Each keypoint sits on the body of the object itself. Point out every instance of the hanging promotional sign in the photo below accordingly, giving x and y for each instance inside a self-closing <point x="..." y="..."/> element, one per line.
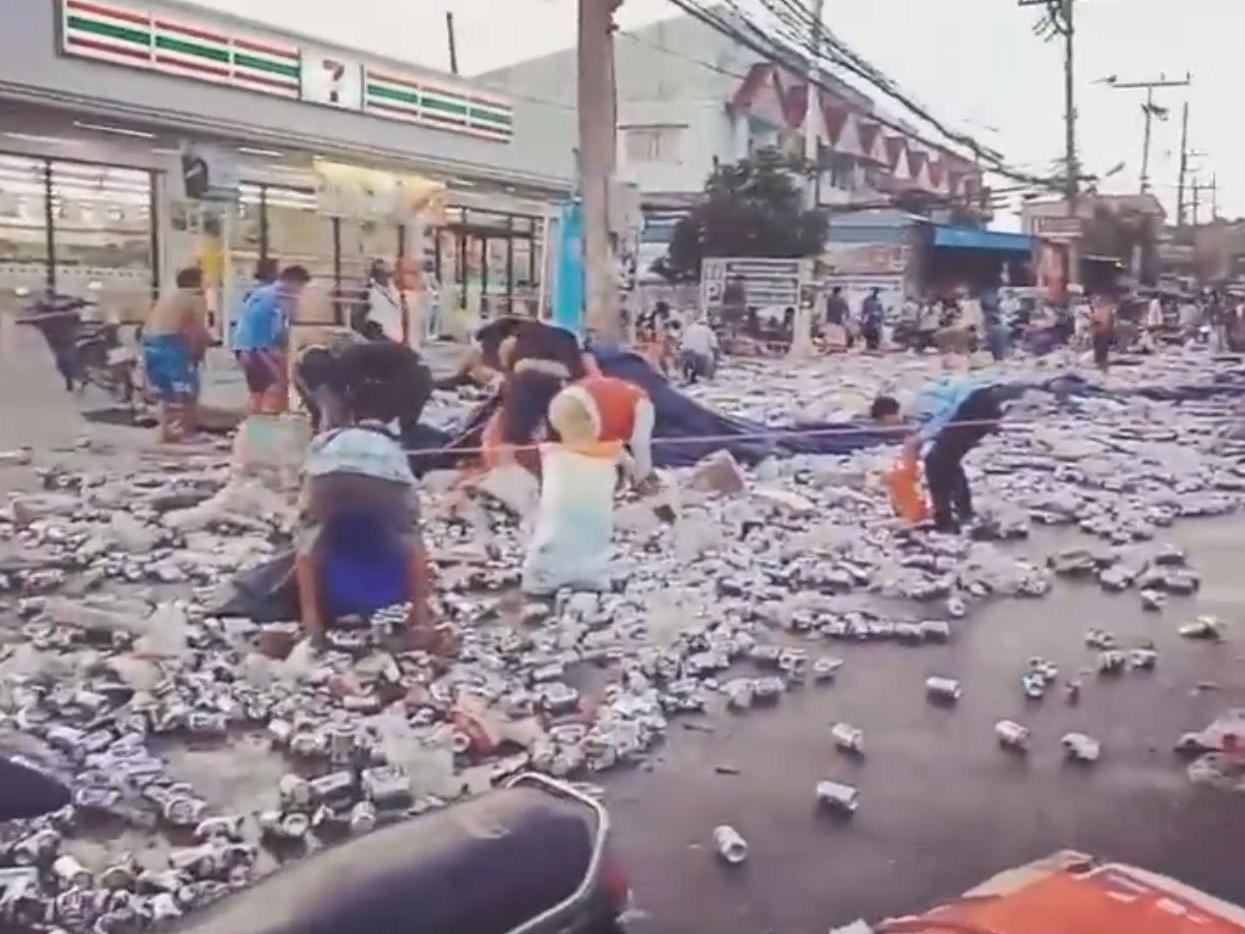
<point x="370" y="194"/>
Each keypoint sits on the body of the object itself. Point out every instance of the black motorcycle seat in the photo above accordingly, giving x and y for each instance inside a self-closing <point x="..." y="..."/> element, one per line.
<point x="482" y="867"/>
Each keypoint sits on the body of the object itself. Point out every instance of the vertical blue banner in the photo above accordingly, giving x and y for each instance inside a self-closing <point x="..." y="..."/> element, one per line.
<point x="568" y="296"/>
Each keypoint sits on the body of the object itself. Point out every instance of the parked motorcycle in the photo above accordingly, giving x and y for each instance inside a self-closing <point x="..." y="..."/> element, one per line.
<point x="530" y="858"/>
<point x="86" y="352"/>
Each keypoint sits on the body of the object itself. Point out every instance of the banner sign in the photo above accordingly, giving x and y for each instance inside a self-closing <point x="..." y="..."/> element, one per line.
<point x="137" y="37"/>
<point x="124" y="35"/>
<point x="370" y="194"/>
<point x="418" y="100"/>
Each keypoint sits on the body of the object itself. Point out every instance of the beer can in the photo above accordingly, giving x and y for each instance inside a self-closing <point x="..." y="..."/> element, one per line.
<point x="71" y="872"/>
<point x="183" y="811"/>
<point x="839" y="796"/>
<point x="1081" y="747"/>
<point x="848" y="738"/>
<point x="947" y="690"/>
<point x="767" y="689"/>
<point x="228" y="827"/>
<point x="36" y="848"/>
<point x="280" y="731"/>
<point x="335" y="785"/>
<point x="739" y="693"/>
<point x="1143" y="659"/>
<point x="935" y="630"/>
<point x="1012" y="735"/>
<point x="826" y="668"/>
<point x="732" y="848"/>
<point x="294" y="826"/>
<point x="294" y="791"/>
<point x="362" y="818"/>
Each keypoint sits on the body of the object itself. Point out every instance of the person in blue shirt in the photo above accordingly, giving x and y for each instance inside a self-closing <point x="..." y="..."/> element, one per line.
<point x="261" y="339"/>
<point x="951" y="417"/>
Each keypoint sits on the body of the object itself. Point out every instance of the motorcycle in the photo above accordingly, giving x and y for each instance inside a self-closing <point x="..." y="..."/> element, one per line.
<point x="529" y="858"/>
<point x="86" y="352"/>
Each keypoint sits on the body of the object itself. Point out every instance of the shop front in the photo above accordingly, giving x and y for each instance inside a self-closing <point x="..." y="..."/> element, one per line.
<point x="103" y="102"/>
<point x="967" y="260"/>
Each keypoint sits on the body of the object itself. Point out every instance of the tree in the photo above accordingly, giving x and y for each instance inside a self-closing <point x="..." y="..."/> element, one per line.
<point x="753" y="207"/>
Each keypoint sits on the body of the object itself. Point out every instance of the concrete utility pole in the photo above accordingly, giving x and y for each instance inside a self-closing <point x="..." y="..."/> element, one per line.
<point x="597" y="154"/>
<point x="812" y="139"/>
<point x="1060" y="20"/>
<point x="1151" y="110"/>
<point x="1184" y="164"/>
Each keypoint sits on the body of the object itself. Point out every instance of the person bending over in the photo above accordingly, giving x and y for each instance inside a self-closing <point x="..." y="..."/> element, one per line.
<point x="952" y="417"/>
<point x="359" y="547"/>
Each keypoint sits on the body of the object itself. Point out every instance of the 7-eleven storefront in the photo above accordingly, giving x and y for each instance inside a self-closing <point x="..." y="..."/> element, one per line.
<point x="101" y="101"/>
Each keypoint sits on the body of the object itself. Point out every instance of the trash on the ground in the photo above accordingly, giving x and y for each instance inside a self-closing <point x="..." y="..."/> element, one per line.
<point x="848" y="738"/>
<point x="1081" y="747"/>
<point x="838" y="796"/>
<point x="1209" y="628"/>
<point x="1012" y="735"/>
<point x="732" y="849"/>
<point x="943" y="690"/>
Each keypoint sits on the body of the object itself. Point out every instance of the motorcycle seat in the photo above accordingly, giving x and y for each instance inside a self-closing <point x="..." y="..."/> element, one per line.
<point x="482" y="867"/>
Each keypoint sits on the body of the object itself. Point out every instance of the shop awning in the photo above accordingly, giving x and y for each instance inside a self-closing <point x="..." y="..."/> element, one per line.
<point x="968" y="238"/>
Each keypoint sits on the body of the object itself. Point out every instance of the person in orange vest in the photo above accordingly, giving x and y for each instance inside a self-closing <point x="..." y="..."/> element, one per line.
<point x="620" y="411"/>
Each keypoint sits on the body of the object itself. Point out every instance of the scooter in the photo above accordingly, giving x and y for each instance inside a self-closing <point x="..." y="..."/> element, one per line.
<point x="529" y="858"/>
<point x="86" y="351"/>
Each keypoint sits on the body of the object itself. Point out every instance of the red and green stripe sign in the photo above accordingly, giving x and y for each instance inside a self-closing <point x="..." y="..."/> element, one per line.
<point x="134" y="36"/>
<point x="130" y="36"/>
<point x="417" y="100"/>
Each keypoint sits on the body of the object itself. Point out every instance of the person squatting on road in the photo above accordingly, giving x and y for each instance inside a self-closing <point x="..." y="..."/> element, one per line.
<point x="359" y="547"/>
<point x="952" y="416"/>
<point x="590" y="423"/>
<point x="261" y="340"/>
<point x="175" y="338"/>
<point x="698" y="352"/>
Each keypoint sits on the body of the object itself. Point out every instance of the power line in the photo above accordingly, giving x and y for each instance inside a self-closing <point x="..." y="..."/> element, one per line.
<point x="769" y="50"/>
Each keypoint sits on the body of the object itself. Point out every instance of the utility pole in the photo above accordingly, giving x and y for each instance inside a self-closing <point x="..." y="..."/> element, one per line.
<point x="1184" y="164"/>
<point x="1060" y="20"/>
<point x="1197" y="199"/>
<point x="449" y="31"/>
<point x="1197" y="190"/>
<point x="598" y="127"/>
<point x="1150" y="110"/>
<point x="812" y="139"/>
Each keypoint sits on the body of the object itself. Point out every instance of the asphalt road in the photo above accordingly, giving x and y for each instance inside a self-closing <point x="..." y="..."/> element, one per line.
<point x="942" y="806"/>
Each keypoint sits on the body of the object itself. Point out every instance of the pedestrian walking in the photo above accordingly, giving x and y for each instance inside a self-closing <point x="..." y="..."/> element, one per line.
<point x="698" y="352"/>
<point x="1102" y="330"/>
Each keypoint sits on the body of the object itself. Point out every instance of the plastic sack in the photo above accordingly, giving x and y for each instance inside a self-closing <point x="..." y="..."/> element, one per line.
<point x="575" y="522"/>
<point x="903" y="480"/>
<point x="271" y="448"/>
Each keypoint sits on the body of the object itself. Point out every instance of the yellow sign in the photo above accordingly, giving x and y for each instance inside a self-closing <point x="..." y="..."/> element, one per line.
<point x="371" y="194"/>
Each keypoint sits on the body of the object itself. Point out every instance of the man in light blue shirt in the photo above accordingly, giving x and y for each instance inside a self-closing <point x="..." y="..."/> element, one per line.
<point x="261" y="339"/>
<point x="951" y="417"/>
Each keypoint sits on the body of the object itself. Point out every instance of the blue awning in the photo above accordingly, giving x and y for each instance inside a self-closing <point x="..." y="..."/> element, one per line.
<point x="968" y="238"/>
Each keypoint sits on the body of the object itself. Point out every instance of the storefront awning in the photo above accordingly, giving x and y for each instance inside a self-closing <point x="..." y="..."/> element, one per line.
<point x="968" y="238"/>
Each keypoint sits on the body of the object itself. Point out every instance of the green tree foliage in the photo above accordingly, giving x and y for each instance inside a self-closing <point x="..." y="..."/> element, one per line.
<point x="753" y="207"/>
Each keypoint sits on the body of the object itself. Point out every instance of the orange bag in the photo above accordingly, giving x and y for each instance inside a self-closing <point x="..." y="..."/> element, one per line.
<point x="903" y="481"/>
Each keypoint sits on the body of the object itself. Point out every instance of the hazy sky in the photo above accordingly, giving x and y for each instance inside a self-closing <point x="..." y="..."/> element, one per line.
<point x="975" y="63"/>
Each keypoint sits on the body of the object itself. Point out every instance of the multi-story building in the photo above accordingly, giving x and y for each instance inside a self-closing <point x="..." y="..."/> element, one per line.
<point x="690" y="97"/>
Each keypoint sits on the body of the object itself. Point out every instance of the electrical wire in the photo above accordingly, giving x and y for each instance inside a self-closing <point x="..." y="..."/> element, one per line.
<point x="766" y="46"/>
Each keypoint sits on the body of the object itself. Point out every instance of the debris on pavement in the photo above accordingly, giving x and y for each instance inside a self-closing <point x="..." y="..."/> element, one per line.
<point x="731" y="847"/>
<point x="121" y="654"/>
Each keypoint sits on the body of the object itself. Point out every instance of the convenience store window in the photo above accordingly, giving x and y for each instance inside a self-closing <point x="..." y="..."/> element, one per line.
<point x="80" y="229"/>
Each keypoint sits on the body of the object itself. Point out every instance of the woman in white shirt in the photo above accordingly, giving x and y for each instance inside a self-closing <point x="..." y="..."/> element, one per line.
<point x="384" y="302"/>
